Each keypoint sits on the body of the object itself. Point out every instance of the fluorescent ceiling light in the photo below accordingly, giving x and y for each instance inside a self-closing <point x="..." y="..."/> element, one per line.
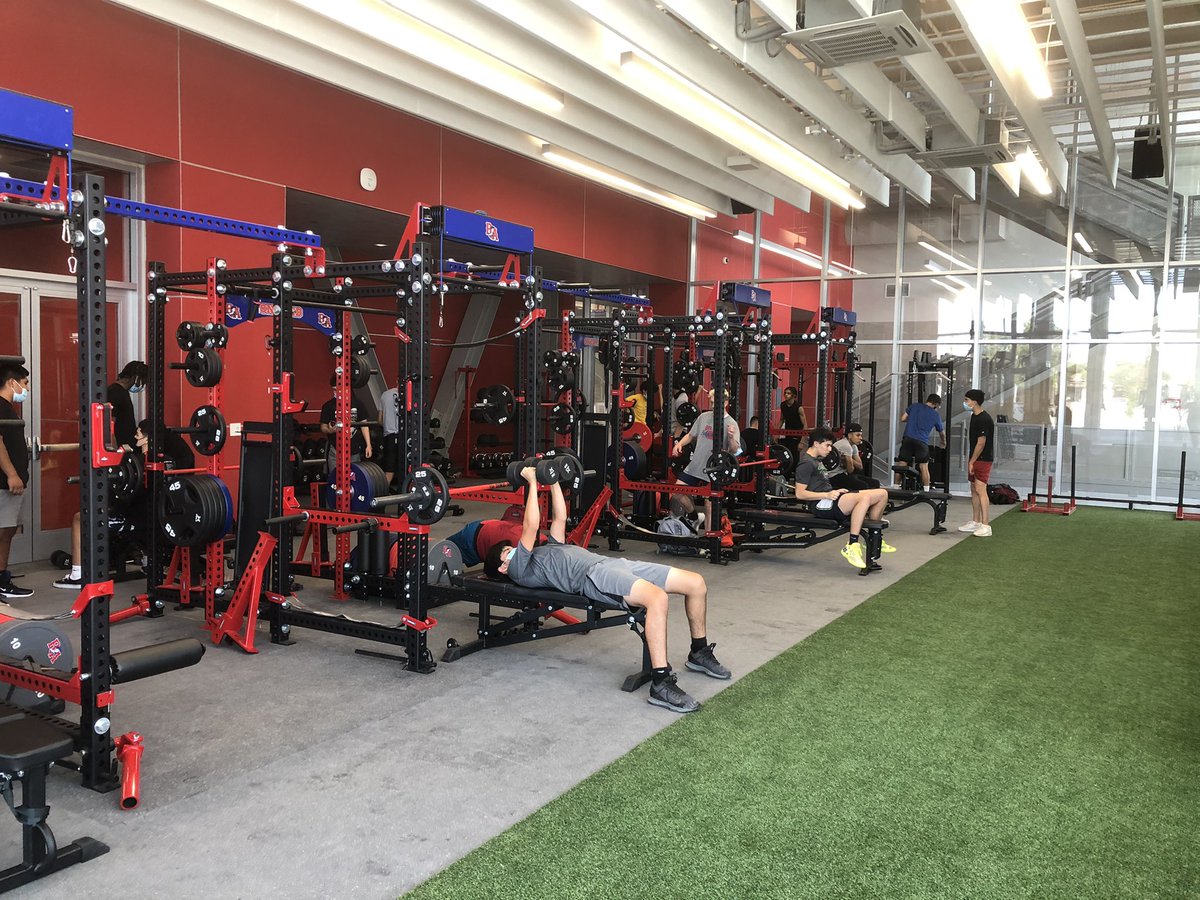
<point x="1083" y="242"/>
<point x="591" y="170"/>
<point x="1002" y="31"/>
<point x="942" y="253"/>
<point x="943" y="284"/>
<point x="804" y="256"/>
<point x="1034" y="174"/>
<point x="934" y="267"/>
<point x="408" y="34"/>
<point x="689" y="100"/>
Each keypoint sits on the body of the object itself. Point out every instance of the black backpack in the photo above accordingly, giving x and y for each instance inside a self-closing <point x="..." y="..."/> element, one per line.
<point x="1003" y="494"/>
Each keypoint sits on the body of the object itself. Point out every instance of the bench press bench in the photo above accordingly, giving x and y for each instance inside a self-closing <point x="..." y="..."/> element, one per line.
<point x="29" y="744"/>
<point x="902" y="499"/>
<point x="531" y="607"/>
<point x="799" y="529"/>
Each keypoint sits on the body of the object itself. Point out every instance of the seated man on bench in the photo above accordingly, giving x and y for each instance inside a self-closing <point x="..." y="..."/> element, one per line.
<point x="565" y="567"/>
<point x="849" y="508"/>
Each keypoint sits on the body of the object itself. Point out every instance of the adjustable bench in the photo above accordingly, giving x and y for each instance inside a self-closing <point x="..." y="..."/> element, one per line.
<point x="937" y="501"/>
<point x="29" y="744"/>
<point x="532" y="607"/>
<point x="799" y="529"/>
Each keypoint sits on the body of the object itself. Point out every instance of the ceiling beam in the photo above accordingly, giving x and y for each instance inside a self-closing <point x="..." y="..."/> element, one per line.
<point x="1158" y="49"/>
<point x="1027" y="106"/>
<point x="783" y="72"/>
<point x="873" y="88"/>
<point x="640" y="126"/>
<point x="943" y="88"/>
<point x="327" y="51"/>
<point x="1087" y="85"/>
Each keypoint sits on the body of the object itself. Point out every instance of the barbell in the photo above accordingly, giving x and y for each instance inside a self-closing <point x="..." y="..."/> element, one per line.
<point x="201" y="367"/>
<point x="207" y="430"/>
<point x="496" y="404"/>
<point x="193" y="335"/>
<point x="425" y="499"/>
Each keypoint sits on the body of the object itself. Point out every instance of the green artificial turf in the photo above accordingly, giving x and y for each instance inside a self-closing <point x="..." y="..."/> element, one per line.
<point x="1017" y="718"/>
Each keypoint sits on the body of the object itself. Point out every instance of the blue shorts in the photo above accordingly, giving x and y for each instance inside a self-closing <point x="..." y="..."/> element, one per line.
<point x="464" y="540"/>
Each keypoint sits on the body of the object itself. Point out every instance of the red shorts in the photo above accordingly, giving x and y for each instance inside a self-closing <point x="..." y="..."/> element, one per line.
<point x="981" y="471"/>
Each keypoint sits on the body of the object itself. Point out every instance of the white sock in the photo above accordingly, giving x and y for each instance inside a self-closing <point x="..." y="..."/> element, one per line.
<point x="77" y="573"/>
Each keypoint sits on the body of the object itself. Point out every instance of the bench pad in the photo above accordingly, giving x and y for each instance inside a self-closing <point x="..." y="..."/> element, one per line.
<point x="479" y="583"/>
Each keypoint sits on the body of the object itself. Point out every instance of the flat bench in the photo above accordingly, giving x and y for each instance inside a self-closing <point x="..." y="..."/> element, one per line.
<point x="798" y="529"/>
<point x="532" y="606"/>
<point x="938" y="501"/>
<point x="29" y="745"/>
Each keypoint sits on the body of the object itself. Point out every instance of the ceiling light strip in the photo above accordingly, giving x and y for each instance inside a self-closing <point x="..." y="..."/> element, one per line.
<point x="594" y="172"/>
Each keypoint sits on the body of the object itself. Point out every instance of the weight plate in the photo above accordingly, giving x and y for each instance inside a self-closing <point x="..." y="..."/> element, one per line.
<point x="433" y="495"/>
<point x="445" y="560"/>
<point x="641" y="434"/>
<point x="562" y="419"/>
<point x="633" y="459"/>
<point x="194" y="510"/>
<point x="721" y="468"/>
<point x="45" y="644"/>
<point x="203" y="368"/>
<point x="360" y="373"/>
<point x="783" y="455"/>
<point x="686" y="415"/>
<point x="210" y="430"/>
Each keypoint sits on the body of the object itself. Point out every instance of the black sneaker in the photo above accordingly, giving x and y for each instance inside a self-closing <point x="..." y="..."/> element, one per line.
<point x="668" y="694"/>
<point x="704" y="660"/>
<point x="68" y="583"/>
<point x="8" y="589"/>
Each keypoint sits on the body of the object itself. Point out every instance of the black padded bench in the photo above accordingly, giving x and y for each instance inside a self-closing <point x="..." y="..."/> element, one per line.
<point x="938" y="501"/>
<point x="532" y="606"/>
<point x="797" y="528"/>
<point x="29" y="744"/>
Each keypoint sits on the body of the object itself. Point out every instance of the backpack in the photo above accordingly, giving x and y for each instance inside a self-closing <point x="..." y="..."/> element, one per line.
<point x="680" y="528"/>
<point x="1003" y="494"/>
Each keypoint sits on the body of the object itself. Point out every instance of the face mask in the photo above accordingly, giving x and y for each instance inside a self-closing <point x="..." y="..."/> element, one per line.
<point x="20" y="396"/>
<point x="966" y="406"/>
<point x="137" y="388"/>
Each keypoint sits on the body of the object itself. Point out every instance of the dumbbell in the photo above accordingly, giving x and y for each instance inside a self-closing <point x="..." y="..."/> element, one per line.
<point x="547" y="469"/>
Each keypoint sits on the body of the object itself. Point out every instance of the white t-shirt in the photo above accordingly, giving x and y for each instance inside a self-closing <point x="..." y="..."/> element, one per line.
<point x="389" y="405"/>
<point x="843" y="448"/>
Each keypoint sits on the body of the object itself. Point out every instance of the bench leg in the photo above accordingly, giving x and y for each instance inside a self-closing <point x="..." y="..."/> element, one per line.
<point x="636" y="680"/>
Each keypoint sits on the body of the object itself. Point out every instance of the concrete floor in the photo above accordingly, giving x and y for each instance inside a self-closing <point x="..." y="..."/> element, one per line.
<point x="310" y="772"/>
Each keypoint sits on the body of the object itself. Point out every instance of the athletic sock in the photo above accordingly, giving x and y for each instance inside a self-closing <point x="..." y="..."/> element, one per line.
<point x="76" y="573"/>
<point x="660" y="675"/>
<point x="854" y="538"/>
<point x="699" y="643"/>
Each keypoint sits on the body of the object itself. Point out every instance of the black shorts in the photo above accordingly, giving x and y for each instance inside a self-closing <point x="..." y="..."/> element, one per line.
<point x="913" y="451"/>
<point x="390" y="455"/>
<point x="828" y="509"/>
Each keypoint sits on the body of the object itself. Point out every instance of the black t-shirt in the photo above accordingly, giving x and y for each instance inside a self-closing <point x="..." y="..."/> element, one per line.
<point x="789" y="416"/>
<point x="751" y="442"/>
<point x="328" y="414"/>
<point x="14" y="443"/>
<point x="124" y="420"/>
<point x="178" y="451"/>
<point x="981" y="426"/>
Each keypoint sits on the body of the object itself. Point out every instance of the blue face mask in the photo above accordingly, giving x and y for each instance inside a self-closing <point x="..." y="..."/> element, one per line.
<point x="20" y="396"/>
<point x="137" y="388"/>
<point x="966" y="406"/>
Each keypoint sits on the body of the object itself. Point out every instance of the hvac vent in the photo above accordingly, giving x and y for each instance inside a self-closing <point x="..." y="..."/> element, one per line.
<point x="885" y="36"/>
<point x="948" y="151"/>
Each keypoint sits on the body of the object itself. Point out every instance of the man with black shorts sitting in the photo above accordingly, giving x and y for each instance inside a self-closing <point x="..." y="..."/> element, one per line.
<point x="838" y="504"/>
<point x="565" y="567"/>
<point x="920" y="421"/>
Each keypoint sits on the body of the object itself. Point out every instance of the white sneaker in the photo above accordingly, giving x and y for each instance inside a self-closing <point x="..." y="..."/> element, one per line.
<point x="983" y="531"/>
<point x="970" y="526"/>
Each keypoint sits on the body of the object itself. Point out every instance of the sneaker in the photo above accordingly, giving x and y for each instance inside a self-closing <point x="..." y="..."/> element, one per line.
<point x="704" y="660"/>
<point x="669" y="695"/>
<point x="8" y="589"/>
<point x="885" y="547"/>
<point x="68" y="583"/>
<point x="983" y="531"/>
<point x="854" y="555"/>
<point x="969" y="527"/>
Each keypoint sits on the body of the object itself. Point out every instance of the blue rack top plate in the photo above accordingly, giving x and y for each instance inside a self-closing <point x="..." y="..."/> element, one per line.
<point x="745" y="294"/>
<point x="485" y="231"/>
<point x="36" y="123"/>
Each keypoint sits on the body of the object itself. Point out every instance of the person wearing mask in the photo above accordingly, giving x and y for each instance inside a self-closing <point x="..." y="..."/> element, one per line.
<point x="130" y="380"/>
<point x="792" y="418"/>
<point x="14" y="469"/>
<point x="981" y="434"/>
<point x="920" y="420"/>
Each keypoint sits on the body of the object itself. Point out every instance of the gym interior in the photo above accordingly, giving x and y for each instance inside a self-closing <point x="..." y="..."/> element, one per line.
<point x="366" y="527"/>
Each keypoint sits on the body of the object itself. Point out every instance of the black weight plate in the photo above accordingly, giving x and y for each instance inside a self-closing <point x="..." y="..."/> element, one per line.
<point x="46" y="645"/>
<point x="633" y="459"/>
<point x="194" y="510"/>
<point x="562" y="419"/>
<point x="686" y="415"/>
<point x="189" y="335"/>
<point x="203" y="368"/>
<point x="501" y="404"/>
<point x="783" y="455"/>
<point x="721" y="468"/>
<point x="360" y="373"/>
<point x="211" y="430"/>
<point x="433" y="499"/>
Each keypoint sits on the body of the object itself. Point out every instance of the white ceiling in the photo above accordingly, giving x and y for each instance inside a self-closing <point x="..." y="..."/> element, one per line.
<point x="1111" y="63"/>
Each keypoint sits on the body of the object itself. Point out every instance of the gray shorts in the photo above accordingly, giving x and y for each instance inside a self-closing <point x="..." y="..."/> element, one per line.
<point x="612" y="580"/>
<point x="10" y="509"/>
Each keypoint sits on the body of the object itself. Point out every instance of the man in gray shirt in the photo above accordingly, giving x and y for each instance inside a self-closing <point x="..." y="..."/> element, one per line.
<point x="702" y="434"/>
<point x="560" y="566"/>
<point x="849" y="508"/>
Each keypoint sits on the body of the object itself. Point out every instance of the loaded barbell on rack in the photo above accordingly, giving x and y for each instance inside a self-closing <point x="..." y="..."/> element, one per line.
<point x="193" y="335"/>
<point x="207" y="430"/>
<point x="425" y="499"/>
<point x="201" y="367"/>
<point x="194" y="509"/>
<point x="687" y="414"/>
<point x="494" y="405"/>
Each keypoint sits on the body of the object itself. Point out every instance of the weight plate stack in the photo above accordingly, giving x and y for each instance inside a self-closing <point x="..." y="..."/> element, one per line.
<point x="633" y="459"/>
<point x="195" y="510"/>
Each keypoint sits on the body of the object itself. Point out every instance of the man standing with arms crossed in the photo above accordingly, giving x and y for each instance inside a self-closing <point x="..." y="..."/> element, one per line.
<point x="980" y="435"/>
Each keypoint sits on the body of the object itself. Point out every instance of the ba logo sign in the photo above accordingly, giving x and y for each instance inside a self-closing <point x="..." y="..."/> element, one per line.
<point x="297" y="312"/>
<point x="54" y="650"/>
<point x="324" y="320"/>
<point x="233" y="311"/>
<point x="265" y="309"/>
<point x="492" y="233"/>
<point x="753" y="295"/>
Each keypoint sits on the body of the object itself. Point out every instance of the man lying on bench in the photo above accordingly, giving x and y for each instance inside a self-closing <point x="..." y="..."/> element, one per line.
<point x="850" y="508"/>
<point x="565" y="567"/>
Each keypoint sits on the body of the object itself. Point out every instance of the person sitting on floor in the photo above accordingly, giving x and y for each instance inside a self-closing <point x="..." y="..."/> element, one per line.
<point x="851" y="476"/>
<point x="843" y="506"/>
<point x="564" y="567"/>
